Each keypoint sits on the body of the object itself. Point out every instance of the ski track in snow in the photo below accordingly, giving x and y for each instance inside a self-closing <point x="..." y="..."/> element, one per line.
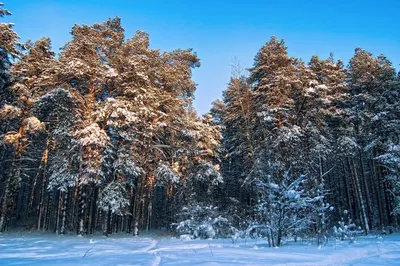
<point x="152" y="245"/>
<point x="156" y="261"/>
<point x="46" y="249"/>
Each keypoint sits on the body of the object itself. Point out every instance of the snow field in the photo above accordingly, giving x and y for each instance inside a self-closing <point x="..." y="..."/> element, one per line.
<point x="36" y="249"/>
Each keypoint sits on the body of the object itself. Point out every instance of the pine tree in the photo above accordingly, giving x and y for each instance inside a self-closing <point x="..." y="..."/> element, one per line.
<point x="328" y="93"/>
<point x="286" y="208"/>
<point x="278" y="87"/>
<point x="238" y="143"/>
<point x="369" y="79"/>
<point x="29" y="75"/>
<point x="10" y="49"/>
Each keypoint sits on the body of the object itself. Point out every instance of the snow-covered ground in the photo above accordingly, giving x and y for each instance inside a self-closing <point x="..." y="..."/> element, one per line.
<point x="36" y="249"/>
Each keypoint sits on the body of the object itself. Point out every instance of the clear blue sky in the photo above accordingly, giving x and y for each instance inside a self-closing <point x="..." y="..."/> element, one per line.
<point x="221" y="30"/>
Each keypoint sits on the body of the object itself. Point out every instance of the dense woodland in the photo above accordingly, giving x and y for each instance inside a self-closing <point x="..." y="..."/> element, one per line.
<point x="102" y="136"/>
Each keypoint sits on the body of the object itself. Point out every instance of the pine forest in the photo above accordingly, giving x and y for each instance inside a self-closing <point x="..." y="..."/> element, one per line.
<point x="102" y="137"/>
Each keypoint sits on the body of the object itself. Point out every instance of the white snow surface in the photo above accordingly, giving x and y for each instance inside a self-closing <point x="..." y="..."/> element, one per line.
<point x="46" y="249"/>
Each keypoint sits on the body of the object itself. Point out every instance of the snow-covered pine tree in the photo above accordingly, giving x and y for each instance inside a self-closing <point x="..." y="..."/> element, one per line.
<point x="285" y="209"/>
<point x="369" y="85"/>
<point x="84" y="67"/>
<point x="9" y="115"/>
<point x="329" y="91"/>
<point x="10" y="49"/>
<point x="146" y="113"/>
<point x="28" y="137"/>
<point x="113" y="200"/>
<point x="386" y="124"/>
<point x="391" y="161"/>
<point x="285" y="119"/>
<point x="238" y="141"/>
<point x="32" y="78"/>
<point x="205" y="222"/>
<point x="60" y="110"/>
<point x="275" y="89"/>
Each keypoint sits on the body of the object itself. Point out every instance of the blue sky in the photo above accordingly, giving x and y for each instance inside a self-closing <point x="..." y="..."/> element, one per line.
<point x="221" y="30"/>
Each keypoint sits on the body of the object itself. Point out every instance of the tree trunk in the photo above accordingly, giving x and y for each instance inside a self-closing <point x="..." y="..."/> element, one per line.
<point x="106" y="226"/>
<point x="58" y="212"/>
<point x="64" y="212"/>
<point x="42" y="196"/>
<point x="136" y="214"/>
<point x="82" y="212"/>
<point x="10" y="193"/>
<point x="361" y="200"/>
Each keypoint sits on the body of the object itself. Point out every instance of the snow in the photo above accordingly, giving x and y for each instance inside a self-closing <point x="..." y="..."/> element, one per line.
<point x="33" y="125"/>
<point x="9" y="112"/>
<point x="321" y="87"/>
<point x="46" y="249"/>
<point x="92" y="135"/>
<point x="166" y="175"/>
<point x="394" y="148"/>
<point x="310" y="90"/>
<point x="113" y="198"/>
<point x="111" y="73"/>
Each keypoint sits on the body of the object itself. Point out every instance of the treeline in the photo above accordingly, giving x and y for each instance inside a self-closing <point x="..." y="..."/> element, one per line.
<point x="103" y="136"/>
